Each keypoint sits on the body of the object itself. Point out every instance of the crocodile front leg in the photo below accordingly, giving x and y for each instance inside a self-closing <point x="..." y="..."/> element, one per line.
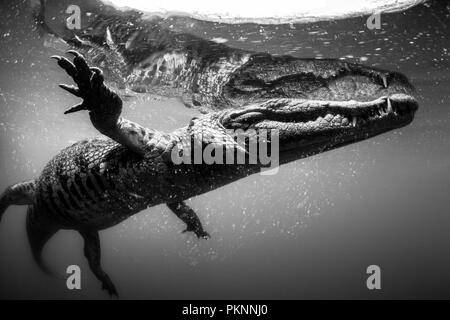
<point x="104" y="105"/>
<point x="188" y="216"/>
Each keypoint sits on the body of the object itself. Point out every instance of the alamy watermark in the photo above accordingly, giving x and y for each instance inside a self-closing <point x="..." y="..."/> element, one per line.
<point x="73" y="281"/>
<point x="374" y="21"/>
<point x="233" y="147"/>
<point x="74" y="20"/>
<point x="374" y="280"/>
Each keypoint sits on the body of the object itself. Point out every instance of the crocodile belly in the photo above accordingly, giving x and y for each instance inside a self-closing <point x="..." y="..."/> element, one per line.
<point x="91" y="183"/>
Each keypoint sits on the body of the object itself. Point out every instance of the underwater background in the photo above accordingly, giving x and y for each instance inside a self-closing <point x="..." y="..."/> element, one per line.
<point x="309" y="231"/>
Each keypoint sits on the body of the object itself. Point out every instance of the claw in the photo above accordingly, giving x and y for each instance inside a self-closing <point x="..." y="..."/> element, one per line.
<point x="73" y="52"/>
<point x="111" y="289"/>
<point x="83" y="72"/>
<point x="66" y="65"/>
<point x="71" y="89"/>
<point x="199" y="234"/>
<point x="78" y="107"/>
<point x="97" y="71"/>
<point x="97" y="77"/>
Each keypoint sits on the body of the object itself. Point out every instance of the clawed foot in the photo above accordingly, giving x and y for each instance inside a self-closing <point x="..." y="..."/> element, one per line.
<point x="104" y="105"/>
<point x="200" y="233"/>
<point x="109" y="287"/>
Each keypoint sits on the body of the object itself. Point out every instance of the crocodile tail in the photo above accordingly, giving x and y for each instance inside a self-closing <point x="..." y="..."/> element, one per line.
<point x="18" y="194"/>
<point x="40" y="228"/>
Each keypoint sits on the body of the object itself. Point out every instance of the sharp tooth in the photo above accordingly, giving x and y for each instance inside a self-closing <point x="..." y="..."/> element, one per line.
<point x="385" y="84"/>
<point x="354" y="121"/>
<point x="389" y="106"/>
<point x="109" y="39"/>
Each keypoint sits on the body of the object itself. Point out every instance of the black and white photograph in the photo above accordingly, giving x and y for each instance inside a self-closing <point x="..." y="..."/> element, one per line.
<point x="224" y="151"/>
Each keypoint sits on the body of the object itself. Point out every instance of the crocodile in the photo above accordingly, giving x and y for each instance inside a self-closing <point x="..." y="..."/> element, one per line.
<point x="97" y="183"/>
<point x="142" y="54"/>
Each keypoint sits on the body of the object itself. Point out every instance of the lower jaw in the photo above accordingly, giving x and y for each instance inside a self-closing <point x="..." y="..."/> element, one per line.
<point x="327" y="140"/>
<point x="386" y="125"/>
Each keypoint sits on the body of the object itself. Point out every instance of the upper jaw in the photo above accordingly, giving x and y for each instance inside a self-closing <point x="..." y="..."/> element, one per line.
<point x="266" y="77"/>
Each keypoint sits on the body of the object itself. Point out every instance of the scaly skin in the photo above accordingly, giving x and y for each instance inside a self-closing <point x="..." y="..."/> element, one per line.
<point x="142" y="54"/>
<point x="97" y="183"/>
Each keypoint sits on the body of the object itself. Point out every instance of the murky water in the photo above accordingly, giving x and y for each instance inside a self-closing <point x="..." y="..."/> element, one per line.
<point x="310" y="231"/>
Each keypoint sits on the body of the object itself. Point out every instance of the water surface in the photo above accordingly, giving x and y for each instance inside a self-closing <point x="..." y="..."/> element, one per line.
<point x="308" y="232"/>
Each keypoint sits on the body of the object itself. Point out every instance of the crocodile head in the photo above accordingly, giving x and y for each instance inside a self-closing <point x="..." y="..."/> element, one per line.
<point x="144" y="55"/>
<point x="326" y="108"/>
<point x="266" y="77"/>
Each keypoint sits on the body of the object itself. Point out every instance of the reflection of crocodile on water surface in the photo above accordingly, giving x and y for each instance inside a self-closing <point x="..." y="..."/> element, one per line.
<point x="142" y="54"/>
<point x="315" y="105"/>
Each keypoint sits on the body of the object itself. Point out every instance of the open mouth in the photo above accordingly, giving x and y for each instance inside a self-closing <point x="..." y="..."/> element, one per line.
<point x="387" y="112"/>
